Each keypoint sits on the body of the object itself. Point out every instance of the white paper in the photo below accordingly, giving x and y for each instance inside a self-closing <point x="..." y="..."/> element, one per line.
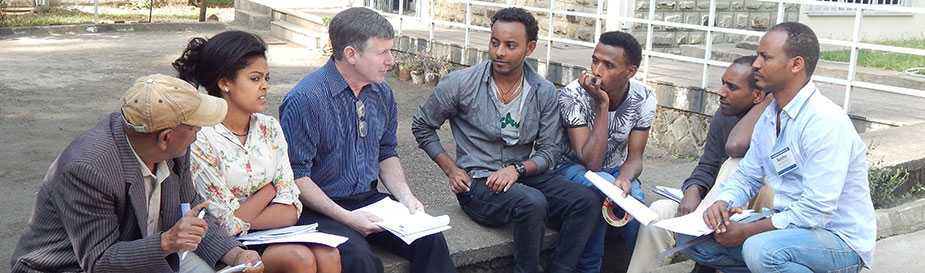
<point x="409" y="227"/>
<point x="674" y="194"/>
<point x="293" y="234"/>
<point x="278" y="232"/>
<point x="691" y="224"/>
<point x="629" y="204"/>
<point x="310" y="237"/>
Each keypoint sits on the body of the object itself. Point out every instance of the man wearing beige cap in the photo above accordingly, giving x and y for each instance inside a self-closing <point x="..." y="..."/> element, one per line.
<point x="111" y="200"/>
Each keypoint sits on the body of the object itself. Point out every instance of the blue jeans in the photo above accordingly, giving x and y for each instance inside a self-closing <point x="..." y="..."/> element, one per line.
<point x="591" y="256"/>
<point x="783" y="250"/>
<point x="527" y="205"/>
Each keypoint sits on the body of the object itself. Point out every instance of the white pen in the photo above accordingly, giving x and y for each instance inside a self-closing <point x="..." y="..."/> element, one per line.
<point x="240" y="267"/>
<point x="202" y="214"/>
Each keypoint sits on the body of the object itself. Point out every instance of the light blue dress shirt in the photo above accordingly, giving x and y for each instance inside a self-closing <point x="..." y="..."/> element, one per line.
<point x="828" y="187"/>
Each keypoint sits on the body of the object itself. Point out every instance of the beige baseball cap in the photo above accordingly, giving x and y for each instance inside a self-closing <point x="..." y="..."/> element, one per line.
<point x="157" y="102"/>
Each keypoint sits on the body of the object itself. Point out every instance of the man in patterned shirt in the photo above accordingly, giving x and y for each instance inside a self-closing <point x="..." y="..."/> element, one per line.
<point x="625" y="108"/>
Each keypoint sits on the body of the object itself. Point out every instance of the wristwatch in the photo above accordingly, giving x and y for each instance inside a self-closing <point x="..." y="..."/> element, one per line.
<point x="521" y="169"/>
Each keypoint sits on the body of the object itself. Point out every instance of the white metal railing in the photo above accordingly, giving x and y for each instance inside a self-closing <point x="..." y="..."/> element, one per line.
<point x="626" y="16"/>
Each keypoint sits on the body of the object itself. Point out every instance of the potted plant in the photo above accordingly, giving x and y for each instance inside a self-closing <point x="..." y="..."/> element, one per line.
<point x="420" y="65"/>
<point x="405" y="66"/>
<point x="439" y="67"/>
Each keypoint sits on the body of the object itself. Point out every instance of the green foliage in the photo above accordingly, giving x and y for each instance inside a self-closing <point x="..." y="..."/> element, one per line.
<point x="882" y="59"/>
<point x="220" y="3"/>
<point x="884" y="184"/>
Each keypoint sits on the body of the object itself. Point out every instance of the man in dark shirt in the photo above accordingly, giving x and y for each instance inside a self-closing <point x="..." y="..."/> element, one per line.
<point x="741" y="103"/>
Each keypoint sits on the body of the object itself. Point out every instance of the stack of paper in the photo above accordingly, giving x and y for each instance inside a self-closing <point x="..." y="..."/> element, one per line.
<point x="409" y="227"/>
<point x="293" y="234"/>
<point x="629" y="204"/>
<point x="673" y="194"/>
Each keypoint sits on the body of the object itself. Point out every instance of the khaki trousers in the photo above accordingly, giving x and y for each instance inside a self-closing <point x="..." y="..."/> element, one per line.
<point x="652" y="240"/>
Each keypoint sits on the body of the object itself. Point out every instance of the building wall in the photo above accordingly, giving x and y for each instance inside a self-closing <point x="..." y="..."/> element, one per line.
<point x="874" y="26"/>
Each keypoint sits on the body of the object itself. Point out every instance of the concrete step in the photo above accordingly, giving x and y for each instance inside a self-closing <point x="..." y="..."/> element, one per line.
<point x="252" y="19"/>
<point x="18" y="10"/>
<point x="310" y="21"/>
<point x="312" y="40"/>
<point x="720" y="52"/>
<point x="254" y="6"/>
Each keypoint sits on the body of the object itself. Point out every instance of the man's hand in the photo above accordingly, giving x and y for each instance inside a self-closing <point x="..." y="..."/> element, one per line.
<point x="592" y="85"/>
<point x="717" y="216"/>
<point x="186" y="234"/>
<point x="412" y="204"/>
<point x="458" y="179"/>
<point x="690" y="201"/>
<point x="733" y="235"/>
<point x="249" y="257"/>
<point x="502" y="180"/>
<point x="624" y="185"/>
<point x="364" y="222"/>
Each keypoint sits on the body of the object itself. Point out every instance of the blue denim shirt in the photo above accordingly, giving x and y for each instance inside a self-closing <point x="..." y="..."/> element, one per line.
<point x="828" y="189"/>
<point x="320" y="122"/>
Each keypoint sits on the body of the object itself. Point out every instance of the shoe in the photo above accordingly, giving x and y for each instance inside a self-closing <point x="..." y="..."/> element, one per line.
<point x="699" y="268"/>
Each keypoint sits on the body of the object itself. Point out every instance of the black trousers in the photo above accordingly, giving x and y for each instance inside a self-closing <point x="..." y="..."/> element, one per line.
<point x="428" y="254"/>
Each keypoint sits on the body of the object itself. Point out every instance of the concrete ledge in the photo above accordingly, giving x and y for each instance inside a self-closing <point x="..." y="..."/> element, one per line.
<point x="902" y="219"/>
<point x="104" y="28"/>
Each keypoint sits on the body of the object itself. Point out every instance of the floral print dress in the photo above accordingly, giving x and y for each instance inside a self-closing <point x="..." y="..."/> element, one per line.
<point x="226" y="172"/>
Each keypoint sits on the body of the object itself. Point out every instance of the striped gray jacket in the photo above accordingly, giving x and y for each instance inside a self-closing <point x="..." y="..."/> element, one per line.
<point x="90" y="213"/>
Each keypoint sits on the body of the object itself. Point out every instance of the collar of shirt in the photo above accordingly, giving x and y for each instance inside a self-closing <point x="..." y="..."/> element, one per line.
<point x="163" y="171"/>
<point x="793" y="108"/>
<point x="336" y="80"/>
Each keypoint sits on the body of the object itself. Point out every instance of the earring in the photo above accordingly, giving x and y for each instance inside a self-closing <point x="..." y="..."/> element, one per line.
<point x="226" y="89"/>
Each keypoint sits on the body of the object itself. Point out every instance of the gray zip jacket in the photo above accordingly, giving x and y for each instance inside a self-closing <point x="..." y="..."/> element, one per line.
<point x="465" y="98"/>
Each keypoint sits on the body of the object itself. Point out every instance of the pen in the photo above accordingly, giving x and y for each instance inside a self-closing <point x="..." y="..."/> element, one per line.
<point x="240" y="267"/>
<point x="202" y="214"/>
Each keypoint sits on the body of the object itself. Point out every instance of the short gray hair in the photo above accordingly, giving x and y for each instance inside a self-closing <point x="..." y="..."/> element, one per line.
<point x="354" y="26"/>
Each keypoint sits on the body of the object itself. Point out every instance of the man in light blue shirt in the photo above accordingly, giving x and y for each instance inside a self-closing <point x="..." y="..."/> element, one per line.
<point x="807" y="148"/>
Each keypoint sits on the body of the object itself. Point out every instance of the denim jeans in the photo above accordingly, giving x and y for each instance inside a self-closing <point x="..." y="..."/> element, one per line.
<point x="527" y="204"/>
<point x="783" y="250"/>
<point x="594" y="251"/>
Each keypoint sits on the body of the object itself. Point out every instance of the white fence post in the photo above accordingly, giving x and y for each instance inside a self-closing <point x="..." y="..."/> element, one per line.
<point x="648" y="58"/>
<point x="465" y="53"/>
<point x="550" y="33"/>
<point x="597" y="21"/>
<point x="615" y="14"/>
<point x="708" y="49"/>
<point x="429" y="17"/>
<point x="853" y="62"/>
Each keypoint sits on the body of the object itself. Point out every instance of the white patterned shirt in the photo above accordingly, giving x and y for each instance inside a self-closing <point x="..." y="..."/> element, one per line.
<point x="578" y="108"/>
<point x="226" y="173"/>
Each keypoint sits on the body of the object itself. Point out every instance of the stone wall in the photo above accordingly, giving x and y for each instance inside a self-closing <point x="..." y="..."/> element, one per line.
<point x="740" y="14"/>
<point x="679" y="132"/>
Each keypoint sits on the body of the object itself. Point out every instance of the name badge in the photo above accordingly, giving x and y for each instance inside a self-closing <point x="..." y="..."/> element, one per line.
<point x="783" y="161"/>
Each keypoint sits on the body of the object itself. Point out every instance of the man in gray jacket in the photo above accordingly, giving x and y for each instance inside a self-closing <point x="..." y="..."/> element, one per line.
<point x="111" y="200"/>
<point x="505" y="121"/>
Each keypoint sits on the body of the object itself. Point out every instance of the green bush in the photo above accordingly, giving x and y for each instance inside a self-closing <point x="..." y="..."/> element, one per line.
<point x="884" y="183"/>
